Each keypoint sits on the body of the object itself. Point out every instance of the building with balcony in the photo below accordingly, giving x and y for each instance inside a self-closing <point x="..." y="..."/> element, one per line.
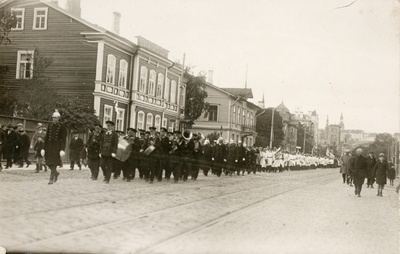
<point x="132" y="83"/>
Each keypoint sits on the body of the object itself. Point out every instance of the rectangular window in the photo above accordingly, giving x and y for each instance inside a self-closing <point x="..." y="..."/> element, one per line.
<point x="120" y="119"/>
<point x="166" y="90"/>
<point x="108" y="113"/>
<point x="238" y="116"/>
<point x="110" y="69"/>
<point x="173" y="91"/>
<point x="40" y="18"/>
<point x="244" y="118"/>
<point x="149" y="121"/>
<point x="24" y="64"/>
<point x="152" y="83"/>
<point x="143" y="79"/>
<point x="212" y="113"/>
<point x="164" y="122"/>
<point x="140" y="121"/>
<point x="160" y="82"/>
<point x="171" y="127"/>
<point x="20" y="15"/>
<point x="123" y="70"/>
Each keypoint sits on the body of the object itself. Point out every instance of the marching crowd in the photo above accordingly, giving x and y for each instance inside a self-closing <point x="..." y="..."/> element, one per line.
<point x="355" y="169"/>
<point x="154" y="155"/>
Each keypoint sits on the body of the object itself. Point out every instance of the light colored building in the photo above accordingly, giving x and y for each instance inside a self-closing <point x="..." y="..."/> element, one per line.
<point x="230" y="115"/>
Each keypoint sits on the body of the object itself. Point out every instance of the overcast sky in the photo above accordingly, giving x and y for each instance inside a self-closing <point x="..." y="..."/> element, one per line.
<point x="310" y="54"/>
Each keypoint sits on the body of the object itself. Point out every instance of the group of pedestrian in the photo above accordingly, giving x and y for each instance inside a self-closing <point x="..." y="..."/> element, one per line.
<point x="355" y="169"/>
<point x="14" y="146"/>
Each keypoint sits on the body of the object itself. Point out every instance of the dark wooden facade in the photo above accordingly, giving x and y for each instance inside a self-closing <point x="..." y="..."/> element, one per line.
<point x="80" y="53"/>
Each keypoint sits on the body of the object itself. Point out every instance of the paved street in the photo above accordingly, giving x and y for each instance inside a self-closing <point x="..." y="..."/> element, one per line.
<point x="291" y="212"/>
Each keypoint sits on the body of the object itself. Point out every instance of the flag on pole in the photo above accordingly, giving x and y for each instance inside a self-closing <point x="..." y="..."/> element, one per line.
<point x="116" y="106"/>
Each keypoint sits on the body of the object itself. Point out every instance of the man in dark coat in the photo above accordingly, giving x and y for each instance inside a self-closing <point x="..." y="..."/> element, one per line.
<point x="75" y="148"/>
<point x="10" y="145"/>
<point x="54" y="145"/>
<point x="371" y="161"/>
<point x="164" y="147"/>
<point x="24" y="144"/>
<point x="219" y="156"/>
<point x="2" y="142"/>
<point x="240" y="154"/>
<point x="108" y="151"/>
<point x="93" y="151"/>
<point x="185" y="152"/>
<point x="358" y="167"/>
<point x="197" y="152"/>
<point x="131" y="163"/>
<point x="207" y="153"/>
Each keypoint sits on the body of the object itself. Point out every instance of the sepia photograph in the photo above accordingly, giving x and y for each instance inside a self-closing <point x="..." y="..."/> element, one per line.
<point x="199" y="126"/>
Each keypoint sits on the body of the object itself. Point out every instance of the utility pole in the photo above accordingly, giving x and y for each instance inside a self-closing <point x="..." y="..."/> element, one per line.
<point x="272" y="129"/>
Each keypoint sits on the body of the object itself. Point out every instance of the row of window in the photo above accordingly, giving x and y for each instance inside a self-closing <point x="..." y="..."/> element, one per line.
<point x="123" y="71"/>
<point x="108" y="116"/>
<point x="39" y="18"/>
<point x="240" y="116"/>
<point x="144" y="122"/>
<point x="248" y="140"/>
<point x="152" y="84"/>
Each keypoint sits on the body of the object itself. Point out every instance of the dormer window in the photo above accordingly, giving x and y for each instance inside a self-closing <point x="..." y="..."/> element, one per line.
<point x="40" y="18"/>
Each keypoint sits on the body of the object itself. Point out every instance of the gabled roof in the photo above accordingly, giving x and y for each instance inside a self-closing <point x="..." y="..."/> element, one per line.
<point x="282" y="107"/>
<point x="242" y="92"/>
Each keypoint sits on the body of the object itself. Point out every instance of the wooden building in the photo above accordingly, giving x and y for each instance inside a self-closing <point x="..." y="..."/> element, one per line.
<point x="132" y="83"/>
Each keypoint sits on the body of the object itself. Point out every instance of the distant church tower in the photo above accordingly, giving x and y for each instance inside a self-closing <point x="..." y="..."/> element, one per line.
<point x="341" y="124"/>
<point x="261" y="103"/>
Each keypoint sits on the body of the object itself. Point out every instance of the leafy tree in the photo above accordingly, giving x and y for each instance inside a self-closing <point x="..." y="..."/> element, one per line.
<point x="309" y="137"/>
<point x="213" y="136"/>
<point x="196" y="94"/>
<point x="8" y="20"/>
<point x="263" y="128"/>
<point x="383" y="142"/>
<point x="76" y="114"/>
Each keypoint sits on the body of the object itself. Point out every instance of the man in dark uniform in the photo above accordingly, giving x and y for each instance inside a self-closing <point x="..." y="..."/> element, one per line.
<point x="93" y="151"/>
<point x="54" y="146"/>
<point x="163" y="147"/>
<point x="75" y="148"/>
<point x="24" y="144"/>
<point x="231" y="159"/>
<point x="131" y="163"/>
<point x="358" y="167"/>
<point x="371" y="161"/>
<point x="219" y="156"/>
<point x="240" y="154"/>
<point x="206" y="157"/>
<point x="141" y="157"/>
<point x="197" y="152"/>
<point x="108" y="151"/>
<point x="153" y="160"/>
<point x="185" y="151"/>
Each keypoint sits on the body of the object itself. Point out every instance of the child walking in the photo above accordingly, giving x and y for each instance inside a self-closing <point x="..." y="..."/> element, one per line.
<point x="381" y="172"/>
<point x="39" y="146"/>
<point x="392" y="173"/>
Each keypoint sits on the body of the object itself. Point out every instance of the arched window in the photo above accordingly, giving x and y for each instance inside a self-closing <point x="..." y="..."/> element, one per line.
<point x="160" y="82"/>
<point x="166" y="89"/>
<point x="110" y="77"/>
<point x="143" y="79"/>
<point x="173" y="91"/>
<point x="140" y="120"/>
<point x="152" y="82"/>
<point x="149" y="121"/>
<point x="157" y="122"/>
<point x="123" y="72"/>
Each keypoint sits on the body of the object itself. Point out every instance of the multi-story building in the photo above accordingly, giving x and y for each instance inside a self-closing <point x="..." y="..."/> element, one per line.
<point x="290" y="128"/>
<point x="230" y="115"/>
<point x="131" y="83"/>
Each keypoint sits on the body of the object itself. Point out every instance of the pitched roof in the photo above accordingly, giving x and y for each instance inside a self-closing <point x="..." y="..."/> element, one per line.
<point x="242" y="92"/>
<point x="282" y="107"/>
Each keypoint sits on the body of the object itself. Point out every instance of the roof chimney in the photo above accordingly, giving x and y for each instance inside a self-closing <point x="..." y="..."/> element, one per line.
<point x="74" y="7"/>
<point x="116" y="22"/>
<point x="210" y="76"/>
<point x="55" y="2"/>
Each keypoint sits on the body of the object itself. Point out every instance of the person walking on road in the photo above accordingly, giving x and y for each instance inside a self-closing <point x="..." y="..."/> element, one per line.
<point x="381" y="171"/>
<point x="24" y="148"/>
<point x="108" y="151"/>
<point x="40" y="132"/>
<point x="54" y="146"/>
<point x="93" y="151"/>
<point x="76" y="147"/>
<point x="371" y="161"/>
<point x="358" y="167"/>
<point x="391" y="173"/>
<point x="39" y="146"/>
<point x="345" y="165"/>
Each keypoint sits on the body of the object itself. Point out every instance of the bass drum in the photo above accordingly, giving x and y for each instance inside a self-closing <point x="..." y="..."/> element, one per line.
<point x="124" y="150"/>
